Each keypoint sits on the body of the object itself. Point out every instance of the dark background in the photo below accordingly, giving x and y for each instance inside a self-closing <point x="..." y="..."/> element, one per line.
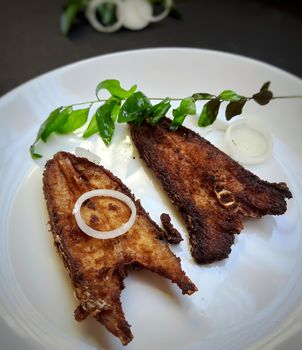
<point x="31" y="41"/>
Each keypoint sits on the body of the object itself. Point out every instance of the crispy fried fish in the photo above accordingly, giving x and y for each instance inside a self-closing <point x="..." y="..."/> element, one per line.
<point x="98" y="267"/>
<point x="213" y="192"/>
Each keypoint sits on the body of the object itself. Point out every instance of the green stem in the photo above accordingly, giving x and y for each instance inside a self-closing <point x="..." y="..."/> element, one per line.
<point x="88" y="102"/>
<point x="170" y="98"/>
<point x="179" y="99"/>
<point x="279" y="97"/>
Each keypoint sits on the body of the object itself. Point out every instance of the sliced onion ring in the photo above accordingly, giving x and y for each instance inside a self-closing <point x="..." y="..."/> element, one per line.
<point x="164" y="13"/>
<point x="85" y="153"/>
<point x="104" y="234"/>
<point x="136" y="14"/>
<point x="96" y="24"/>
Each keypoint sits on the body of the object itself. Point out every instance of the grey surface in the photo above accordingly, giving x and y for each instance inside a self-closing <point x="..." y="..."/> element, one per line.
<point x="31" y="42"/>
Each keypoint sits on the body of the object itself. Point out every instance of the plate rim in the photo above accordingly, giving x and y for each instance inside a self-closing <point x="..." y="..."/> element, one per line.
<point x="153" y="49"/>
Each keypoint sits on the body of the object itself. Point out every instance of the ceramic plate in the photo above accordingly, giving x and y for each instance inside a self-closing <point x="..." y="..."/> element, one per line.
<point x="251" y="300"/>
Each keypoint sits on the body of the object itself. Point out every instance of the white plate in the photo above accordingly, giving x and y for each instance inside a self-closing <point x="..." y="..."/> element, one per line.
<point x="252" y="299"/>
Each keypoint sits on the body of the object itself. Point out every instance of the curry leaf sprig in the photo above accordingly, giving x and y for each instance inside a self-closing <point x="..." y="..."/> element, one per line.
<point x="131" y="106"/>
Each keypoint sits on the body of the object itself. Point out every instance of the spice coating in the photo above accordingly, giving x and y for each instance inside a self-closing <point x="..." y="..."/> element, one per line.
<point x="98" y="267"/>
<point x="212" y="192"/>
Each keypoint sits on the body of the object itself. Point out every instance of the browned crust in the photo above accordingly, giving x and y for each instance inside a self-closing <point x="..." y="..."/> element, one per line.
<point x="98" y="267"/>
<point x="171" y="235"/>
<point x="212" y="191"/>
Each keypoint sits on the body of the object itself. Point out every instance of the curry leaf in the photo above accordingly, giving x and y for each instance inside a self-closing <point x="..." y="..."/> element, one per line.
<point x="234" y="108"/>
<point x="187" y="107"/>
<point x="135" y="108"/>
<point x="115" y="111"/>
<point x="229" y="95"/>
<point x="178" y="119"/>
<point x="265" y="86"/>
<point x="209" y="112"/>
<point x="108" y="13"/>
<point x="114" y="88"/>
<point x="52" y="123"/>
<point x="34" y="154"/>
<point x="68" y="16"/>
<point x="92" y="128"/>
<point x="104" y="121"/>
<point x="74" y="120"/>
<point x="199" y="96"/>
<point x="55" y="119"/>
<point x="159" y="111"/>
<point x="175" y="13"/>
<point x="264" y="96"/>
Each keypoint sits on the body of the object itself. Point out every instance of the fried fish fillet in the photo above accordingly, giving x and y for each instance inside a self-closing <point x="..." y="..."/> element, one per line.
<point x="213" y="192"/>
<point x="98" y="267"/>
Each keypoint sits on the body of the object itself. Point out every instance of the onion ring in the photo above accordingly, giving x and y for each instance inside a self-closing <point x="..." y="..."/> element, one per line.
<point x="104" y="234"/>
<point x="85" y="153"/>
<point x="162" y="15"/>
<point x="92" y="17"/>
<point x="128" y="14"/>
<point x="248" y="142"/>
<point x="136" y="14"/>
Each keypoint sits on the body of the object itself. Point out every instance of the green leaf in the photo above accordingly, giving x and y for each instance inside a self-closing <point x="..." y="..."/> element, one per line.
<point x="104" y="120"/>
<point x="235" y="108"/>
<point x="69" y="15"/>
<point x="50" y="125"/>
<point x="114" y="88"/>
<point x="74" y="121"/>
<point x="92" y="128"/>
<point x="229" y="95"/>
<point x="209" y="112"/>
<point x="107" y="13"/>
<point x="175" y="13"/>
<point x="264" y="96"/>
<point x="33" y="152"/>
<point x="62" y="120"/>
<point x="178" y="119"/>
<point x="199" y="96"/>
<point x="115" y="111"/>
<point x="265" y="86"/>
<point x="187" y="107"/>
<point x="159" y="111"/>
<point x="135" y="108"/>
<point x="54" y="120"/>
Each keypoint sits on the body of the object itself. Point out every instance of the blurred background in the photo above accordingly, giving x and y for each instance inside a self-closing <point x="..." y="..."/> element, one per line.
<point x="32" y="42"/>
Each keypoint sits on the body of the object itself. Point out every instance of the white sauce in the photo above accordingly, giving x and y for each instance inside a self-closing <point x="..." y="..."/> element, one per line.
<point x="248" y="142"/>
